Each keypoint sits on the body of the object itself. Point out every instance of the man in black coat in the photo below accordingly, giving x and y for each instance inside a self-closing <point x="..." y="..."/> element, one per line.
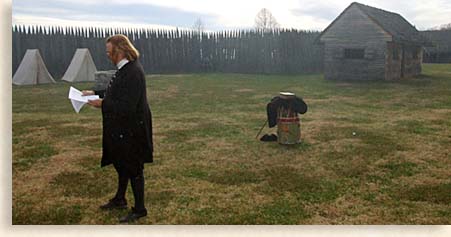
<point x="127" y="125"/>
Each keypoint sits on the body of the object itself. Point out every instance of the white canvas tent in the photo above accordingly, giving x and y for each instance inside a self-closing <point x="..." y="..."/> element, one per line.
<point x="32" y="70"/>
<point x="81" y="68"/>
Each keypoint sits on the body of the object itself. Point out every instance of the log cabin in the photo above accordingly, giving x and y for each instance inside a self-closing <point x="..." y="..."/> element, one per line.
<point x="367" y="43"/>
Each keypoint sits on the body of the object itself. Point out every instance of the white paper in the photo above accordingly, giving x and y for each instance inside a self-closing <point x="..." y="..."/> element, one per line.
<point x="78" y="100"/>
<point x="77" y="105"/>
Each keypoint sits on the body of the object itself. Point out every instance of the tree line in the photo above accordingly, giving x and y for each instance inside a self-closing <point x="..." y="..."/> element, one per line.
<point x="177" y="51"/>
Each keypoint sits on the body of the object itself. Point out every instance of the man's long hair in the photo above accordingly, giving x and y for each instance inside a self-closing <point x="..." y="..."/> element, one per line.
<point x="122" y="44"/>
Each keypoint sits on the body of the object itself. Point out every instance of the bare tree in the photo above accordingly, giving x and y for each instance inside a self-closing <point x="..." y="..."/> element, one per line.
<point x="199" y="26"/>
<point x="445" y="26"/>
<point x="265" y="20"/>
<point x="441" y="27"/>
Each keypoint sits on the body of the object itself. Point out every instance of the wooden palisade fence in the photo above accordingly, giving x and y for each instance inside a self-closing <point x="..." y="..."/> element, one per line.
<point x="177" y="51"/>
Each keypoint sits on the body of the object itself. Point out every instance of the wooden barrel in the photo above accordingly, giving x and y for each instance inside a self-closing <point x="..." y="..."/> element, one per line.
<point x="288" y="127"/>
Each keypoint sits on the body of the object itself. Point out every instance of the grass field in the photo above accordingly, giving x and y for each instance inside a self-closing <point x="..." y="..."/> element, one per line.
<point x="210" y="169"/>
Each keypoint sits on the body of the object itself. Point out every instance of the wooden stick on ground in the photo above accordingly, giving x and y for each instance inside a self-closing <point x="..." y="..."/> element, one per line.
<point x="261" y="129"/>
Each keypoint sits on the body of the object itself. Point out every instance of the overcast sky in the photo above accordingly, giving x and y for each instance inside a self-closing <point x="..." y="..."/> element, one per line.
<point x="216" y="15"/>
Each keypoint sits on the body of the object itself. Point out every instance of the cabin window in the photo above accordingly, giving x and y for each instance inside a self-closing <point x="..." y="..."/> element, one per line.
<point x="354" y="53"/>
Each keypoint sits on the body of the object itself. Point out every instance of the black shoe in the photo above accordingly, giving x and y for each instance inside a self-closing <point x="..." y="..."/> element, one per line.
<point x="269" y="138"/>
<point x="114" y="204"/>
<point x="133" y="216"/>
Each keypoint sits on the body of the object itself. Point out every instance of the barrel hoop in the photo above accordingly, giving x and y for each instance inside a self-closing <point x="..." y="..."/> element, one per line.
<point x="294" y="119"/>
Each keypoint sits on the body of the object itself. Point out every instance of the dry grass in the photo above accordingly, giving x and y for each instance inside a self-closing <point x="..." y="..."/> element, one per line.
<point x="209" y="168"/>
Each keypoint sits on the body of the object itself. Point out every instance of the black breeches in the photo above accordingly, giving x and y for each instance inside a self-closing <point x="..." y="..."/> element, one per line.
<point x="137" y="183"/>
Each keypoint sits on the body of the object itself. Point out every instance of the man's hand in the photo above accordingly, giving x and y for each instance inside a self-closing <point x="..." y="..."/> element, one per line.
<point x="95" y="103"/>
<point x="88" y="92"/>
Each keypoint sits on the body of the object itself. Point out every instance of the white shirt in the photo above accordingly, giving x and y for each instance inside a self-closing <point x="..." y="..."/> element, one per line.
<point x="121" y="63"/>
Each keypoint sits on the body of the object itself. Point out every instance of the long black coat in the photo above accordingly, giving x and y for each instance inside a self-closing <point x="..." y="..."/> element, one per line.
<point x="297" y="104"/>
<point x="127" y="120"/>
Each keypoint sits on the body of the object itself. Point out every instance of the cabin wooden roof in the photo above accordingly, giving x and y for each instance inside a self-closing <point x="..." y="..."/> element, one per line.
<point x="393" y="23"/>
